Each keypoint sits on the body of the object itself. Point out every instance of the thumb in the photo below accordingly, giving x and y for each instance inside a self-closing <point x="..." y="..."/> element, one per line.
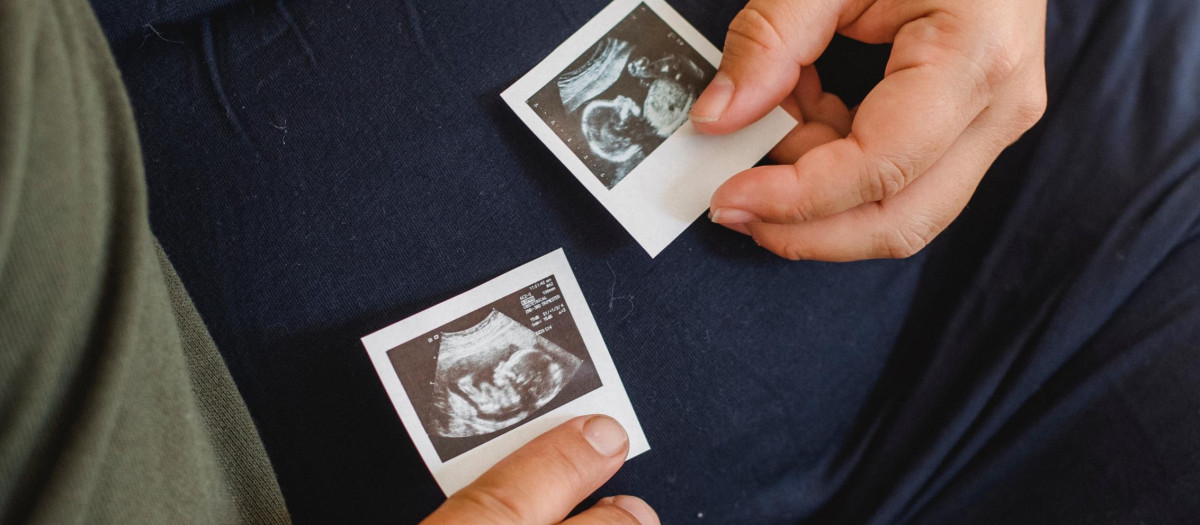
<point x="767" y="44"/>
<point x="542" y="481"/>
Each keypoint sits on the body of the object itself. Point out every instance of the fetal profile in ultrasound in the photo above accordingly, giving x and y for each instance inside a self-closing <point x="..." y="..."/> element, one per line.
<point x="491" y="370"/>
<point x="623" y="97"/>
<point x="494" y="374"/>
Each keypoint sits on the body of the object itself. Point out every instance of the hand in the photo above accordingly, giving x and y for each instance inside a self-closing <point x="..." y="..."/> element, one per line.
<point x="964" y="80"/>
<point x="542" y="481"/>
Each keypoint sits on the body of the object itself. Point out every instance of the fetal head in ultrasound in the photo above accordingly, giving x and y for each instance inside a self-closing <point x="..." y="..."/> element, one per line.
<point x="623" y="97"/>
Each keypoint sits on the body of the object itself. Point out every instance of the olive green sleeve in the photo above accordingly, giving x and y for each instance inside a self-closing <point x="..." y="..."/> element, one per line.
<point x="114" y="405"/>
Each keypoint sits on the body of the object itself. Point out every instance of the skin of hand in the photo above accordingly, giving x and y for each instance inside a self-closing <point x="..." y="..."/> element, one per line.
<point x="544" y="480"/>
<point x="964" y="80"/>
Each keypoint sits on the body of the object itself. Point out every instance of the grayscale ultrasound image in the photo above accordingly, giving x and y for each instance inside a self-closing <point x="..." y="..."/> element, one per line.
<point x="487" y="372"/>
<point x="494" y="374"/>
<point x="622" y="98"/>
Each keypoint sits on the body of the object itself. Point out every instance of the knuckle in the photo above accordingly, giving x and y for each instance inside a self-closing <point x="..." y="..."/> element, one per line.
<point x="802" y="207"/>
<point x="934" y="39"/>
<point x="790" y="249"/>
<point x="1023" y="113"/>
<point x="885" y="177"/>
<point x="925" y="41"/>
<point x="900" y="244"/>
<point x="486" y="505"/>
<point x="753" y="27"/>
<point x="994" y="57"/>
<point x="569" y="471"/>
<point x="793" y="252"/>
<point x="906" y="240"/>
<point x="943" y="38"/>
<point x="1031" y="108"/>
<point x="800" y="211"/>
<point x="998" y="61"/>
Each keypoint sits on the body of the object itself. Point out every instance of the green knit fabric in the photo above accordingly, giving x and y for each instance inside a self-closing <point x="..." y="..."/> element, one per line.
<point x="115" y="406"/>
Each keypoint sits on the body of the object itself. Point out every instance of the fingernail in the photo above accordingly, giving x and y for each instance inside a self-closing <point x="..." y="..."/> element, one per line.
<point x="732" y="216"/>
<point x="640" y="510"/>
<point x="605" y="435"/>
<point x="713" y="101"/>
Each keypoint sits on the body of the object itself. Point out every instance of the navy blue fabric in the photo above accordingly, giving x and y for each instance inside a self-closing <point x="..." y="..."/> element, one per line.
<point x="140" y="20"/>
<point x="320" y="170"/>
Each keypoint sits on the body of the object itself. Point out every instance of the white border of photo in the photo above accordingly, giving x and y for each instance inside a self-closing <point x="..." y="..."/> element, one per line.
<point x="610" y="399"/>
<point x="661" y="197"/>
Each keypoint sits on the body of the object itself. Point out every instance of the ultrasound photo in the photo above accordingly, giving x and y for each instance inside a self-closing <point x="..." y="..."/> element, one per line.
<point x="622" y="98"/>
<point x="489" y="371"/>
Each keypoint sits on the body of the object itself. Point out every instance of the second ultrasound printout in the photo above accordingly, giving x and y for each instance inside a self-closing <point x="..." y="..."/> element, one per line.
<point x="477" y="376"/>
<point x="612" y="104"/>
<point x="623" y="97"/>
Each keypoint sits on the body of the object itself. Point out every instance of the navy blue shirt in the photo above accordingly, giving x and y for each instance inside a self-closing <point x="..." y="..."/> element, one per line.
<point x="320" y="170"/>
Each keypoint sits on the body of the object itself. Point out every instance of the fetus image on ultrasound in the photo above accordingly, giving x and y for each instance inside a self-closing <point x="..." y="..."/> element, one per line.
<point x="495" y="368"/>
<point x="623" y="97"/>
<point x="495" y="374"/>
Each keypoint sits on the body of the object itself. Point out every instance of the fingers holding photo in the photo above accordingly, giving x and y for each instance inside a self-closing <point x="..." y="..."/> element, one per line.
<point x="766" y="47"/>
<point x="961" y="77"/>
<point x="897" y="227"/>
<point x="544" y="480"/>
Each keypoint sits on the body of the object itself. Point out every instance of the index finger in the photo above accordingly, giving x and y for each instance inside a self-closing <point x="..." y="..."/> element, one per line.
<point x="767" y="44"/>
<point x="545" y="479"/>
<point x="934" y="88"/>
